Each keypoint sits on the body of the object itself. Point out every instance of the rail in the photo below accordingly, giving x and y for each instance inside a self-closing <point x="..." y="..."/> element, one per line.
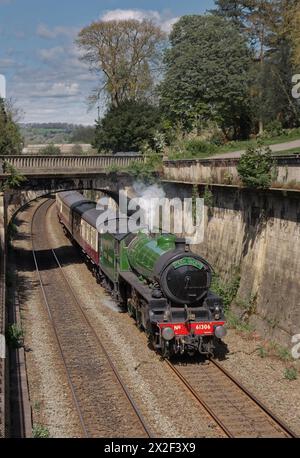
<point x="236" y="411"/>
<point x="84" y="416"/>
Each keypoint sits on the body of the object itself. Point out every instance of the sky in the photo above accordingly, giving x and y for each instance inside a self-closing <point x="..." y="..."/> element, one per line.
<point x="40" y="60"/>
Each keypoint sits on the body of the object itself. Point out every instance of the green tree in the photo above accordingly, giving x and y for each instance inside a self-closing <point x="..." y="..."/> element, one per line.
<point x="11" y="141"/>
<point x="234" y="10"/>
<point x="207" y="75"/>
<point x="256" y="167"/>
<point x="124" y="52"/>
<point x="292" y="29"/>
<point x="83" y="134"/>
<point x="127" y="127"/>
<point x="277" y="102"/>
<point x="14" y="180"/>
<point x="272" y="30"/>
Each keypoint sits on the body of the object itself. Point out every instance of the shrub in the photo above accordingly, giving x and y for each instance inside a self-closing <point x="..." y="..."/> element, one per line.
<point x="256" y="167"/>
<point x="234" y="322"/>
<point x="14" y="336"/>
<point x="227" y="290"/>
<point x="14" y="180"/>
<point x="218" y="138"/>
<point x="77" y="150"/>
<point x="50" y="150"/>
<point x="274" y="129"/>
<point x="196" y="147"/>
<point x="146" y="171"/>
<point x="208" y="197"/>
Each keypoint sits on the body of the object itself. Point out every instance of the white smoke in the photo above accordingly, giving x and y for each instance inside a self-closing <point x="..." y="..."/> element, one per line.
<point x="149" y="197"/>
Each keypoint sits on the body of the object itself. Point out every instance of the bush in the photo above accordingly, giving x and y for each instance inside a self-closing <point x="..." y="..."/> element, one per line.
<point x="197" y="147"/>
<point x="256" y="167"/>
<point x="274" y="129"/>
<point x="227" y="290"/>
<point x="14" y="180"/>
<point x="50" y="150"/>
<point x="146" y="171"/>
<point x="77" y="150"/>
<point x="14" y="336"/>
<point x="208" y="197"/>
<point x="218" y="138"/>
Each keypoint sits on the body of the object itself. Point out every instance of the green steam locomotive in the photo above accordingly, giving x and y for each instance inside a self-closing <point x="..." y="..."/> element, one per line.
<point x="162" y="284"/>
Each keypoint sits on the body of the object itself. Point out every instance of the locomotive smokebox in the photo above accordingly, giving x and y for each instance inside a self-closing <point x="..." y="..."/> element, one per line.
<point x="183" y="276"/>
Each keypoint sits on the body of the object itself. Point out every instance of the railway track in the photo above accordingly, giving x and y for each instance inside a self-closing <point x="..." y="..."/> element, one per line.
<point x="2" y="395"/>
<point x="237" y="412"/>
<point x="102" y="401"/>
<point x="93" y="378"/>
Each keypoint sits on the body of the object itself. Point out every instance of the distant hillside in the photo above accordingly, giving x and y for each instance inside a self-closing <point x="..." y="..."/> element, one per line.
<point x="37" y="134"/>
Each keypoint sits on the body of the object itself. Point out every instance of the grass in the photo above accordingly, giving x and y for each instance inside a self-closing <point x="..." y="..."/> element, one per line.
<point x="287" y="152"/>
<point x="273" y="349"/>
<point x="182" y="150"/>
<point x="262" y="352"/>
<point x="40" y="432"/>
<point x="15" y="336"/>
<point x="244" y="144"/>
<point x="234" y="322"/>
<point x="291" y="373"/>
<point x="283" y="353"/>
<point x="37" y="406"/>
<point x="240" y="146"/>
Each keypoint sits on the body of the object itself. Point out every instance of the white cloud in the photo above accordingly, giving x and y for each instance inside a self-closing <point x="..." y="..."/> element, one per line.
<point x="123" y="15"/>
<point x="43" y="31"/>
<point x="51" y="54"/>
<point x="7" y="63"/>
<point x="57" y="90"/>
<point x="56" y="86"/>
<point x="165" y="20"/>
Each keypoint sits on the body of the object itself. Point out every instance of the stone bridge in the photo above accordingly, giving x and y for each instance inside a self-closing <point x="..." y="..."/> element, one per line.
<point x="50" y="174"/>
<point x="65" y="165"/>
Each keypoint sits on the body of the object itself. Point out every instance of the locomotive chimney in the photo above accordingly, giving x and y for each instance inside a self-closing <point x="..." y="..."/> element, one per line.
<point x="180" y="244"/>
